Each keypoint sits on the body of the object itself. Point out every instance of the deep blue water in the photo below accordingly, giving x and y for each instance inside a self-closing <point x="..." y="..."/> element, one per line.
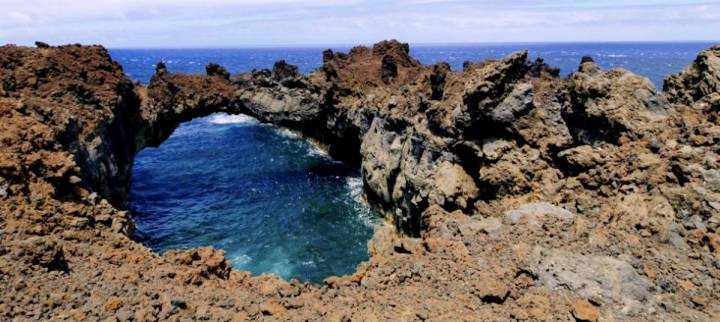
<point x="652" y="60"/>
<point x="269" y="199"/>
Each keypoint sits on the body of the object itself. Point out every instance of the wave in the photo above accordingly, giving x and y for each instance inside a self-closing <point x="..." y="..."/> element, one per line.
<point x="240" y="260"/>
<point x="224" y="119"/>
<point x="355" y="184"/>
<point x="287" y="133"/>
<point x="355" y="188"/>
<point x="315" y="149"/>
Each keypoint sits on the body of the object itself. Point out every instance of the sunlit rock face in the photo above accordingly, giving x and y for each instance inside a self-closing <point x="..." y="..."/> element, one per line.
<point x="517" y="194"/>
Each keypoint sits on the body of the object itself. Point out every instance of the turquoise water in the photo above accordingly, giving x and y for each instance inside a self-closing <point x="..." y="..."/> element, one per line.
<point x="271" y="200"/>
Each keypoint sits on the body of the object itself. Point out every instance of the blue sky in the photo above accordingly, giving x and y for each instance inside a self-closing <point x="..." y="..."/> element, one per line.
<point x="247" y="23"/>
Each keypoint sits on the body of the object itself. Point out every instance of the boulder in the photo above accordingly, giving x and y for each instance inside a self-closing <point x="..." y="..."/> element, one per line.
<point x="603" y="106"/>
<point x="282" y="70"/>
<point x="388" y="69"/>
<point x="699" y="83"/>
<point x="213" y="69"/>
<point x="437" y="80"/>
<point x="535" y="214"/>
<point x="601" y="279"/>
<point x="454" y="187"/>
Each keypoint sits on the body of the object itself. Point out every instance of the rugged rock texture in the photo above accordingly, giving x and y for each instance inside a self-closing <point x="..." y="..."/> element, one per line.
<point x="511" y="193"/>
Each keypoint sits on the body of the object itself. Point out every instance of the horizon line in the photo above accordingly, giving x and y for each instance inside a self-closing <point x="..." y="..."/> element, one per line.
<point x="418" y="44"/>
<point x="426" y="44"/>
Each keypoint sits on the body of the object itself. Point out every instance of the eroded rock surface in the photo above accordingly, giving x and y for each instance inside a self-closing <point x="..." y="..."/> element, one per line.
<point x="510" y="193"/>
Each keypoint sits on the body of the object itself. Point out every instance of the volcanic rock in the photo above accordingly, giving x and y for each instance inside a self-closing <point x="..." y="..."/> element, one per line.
<point x="213" y="69"/>
<point x="510" y="192"/>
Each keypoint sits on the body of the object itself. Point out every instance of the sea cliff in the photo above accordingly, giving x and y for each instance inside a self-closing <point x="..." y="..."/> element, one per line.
<point x="510" y="193"/>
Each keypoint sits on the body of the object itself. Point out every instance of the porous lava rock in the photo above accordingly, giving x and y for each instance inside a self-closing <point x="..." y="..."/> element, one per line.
<point x="510" y="193"/>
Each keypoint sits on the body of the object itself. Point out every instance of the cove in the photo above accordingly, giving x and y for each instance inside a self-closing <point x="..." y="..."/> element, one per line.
<point x="271" y="200"/>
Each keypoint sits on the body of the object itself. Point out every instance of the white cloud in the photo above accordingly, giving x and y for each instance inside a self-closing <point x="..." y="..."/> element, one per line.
<point x="59" y="10"/>
<point x="19" y="17"/>
<point x="185" y="23"/>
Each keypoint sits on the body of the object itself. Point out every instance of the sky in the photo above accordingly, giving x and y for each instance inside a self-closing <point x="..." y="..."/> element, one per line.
<point x="252" y="23"/>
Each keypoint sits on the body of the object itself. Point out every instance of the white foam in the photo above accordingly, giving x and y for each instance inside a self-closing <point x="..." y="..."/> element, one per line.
<point x="616" y="56"/>
<point x="317" y="151"/>
<point x="355" y="187"/>
<point x="287" y="133"/>
<point x="240" y="260"/>
<point x="224" y="119"/>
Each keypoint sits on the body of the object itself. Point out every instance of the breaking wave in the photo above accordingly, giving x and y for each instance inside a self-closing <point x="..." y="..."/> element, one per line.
<point x="223" y="119"/>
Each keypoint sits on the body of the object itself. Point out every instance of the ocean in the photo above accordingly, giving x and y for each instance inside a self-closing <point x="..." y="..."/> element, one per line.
<point x="274" y="202"/>
<point x="652" y="60"/>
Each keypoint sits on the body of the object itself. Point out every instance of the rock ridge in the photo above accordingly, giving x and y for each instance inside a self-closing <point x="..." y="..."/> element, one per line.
<point x="517" y="194"/>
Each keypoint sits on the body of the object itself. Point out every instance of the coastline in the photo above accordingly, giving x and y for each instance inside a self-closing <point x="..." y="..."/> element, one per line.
<point x="512" y="190"/>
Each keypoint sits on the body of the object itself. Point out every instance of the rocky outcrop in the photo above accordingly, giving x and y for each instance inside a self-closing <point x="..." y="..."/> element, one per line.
<point x="618" y="103"/>
<point x="511" y="193"/>
<point x="699" y="84"/>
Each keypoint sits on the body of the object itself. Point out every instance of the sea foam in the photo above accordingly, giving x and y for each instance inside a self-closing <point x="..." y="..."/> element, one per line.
<point x="355" y="190"/>
<point x="224" y="119"/>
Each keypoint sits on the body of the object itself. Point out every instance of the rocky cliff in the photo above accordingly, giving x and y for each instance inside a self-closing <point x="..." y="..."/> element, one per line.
<point x="511" y="193"/>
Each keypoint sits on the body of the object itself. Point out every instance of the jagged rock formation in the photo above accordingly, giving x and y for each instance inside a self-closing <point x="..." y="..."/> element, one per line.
<point x="519" y="195"/>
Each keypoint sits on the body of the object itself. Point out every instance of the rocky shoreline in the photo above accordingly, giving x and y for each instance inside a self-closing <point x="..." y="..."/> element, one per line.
<point x="511" y="193"/>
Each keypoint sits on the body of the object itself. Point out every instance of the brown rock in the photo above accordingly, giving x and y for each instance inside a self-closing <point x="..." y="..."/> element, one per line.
<point x="113" y="304"/>
<point x="491" y="291"/>
<point x="583" y="311"/>
<point x="272" y="308"/>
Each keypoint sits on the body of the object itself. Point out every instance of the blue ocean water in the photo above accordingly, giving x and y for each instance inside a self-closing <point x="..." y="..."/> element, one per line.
<point x="652" y="60"/>
<point x="270" y="199"/>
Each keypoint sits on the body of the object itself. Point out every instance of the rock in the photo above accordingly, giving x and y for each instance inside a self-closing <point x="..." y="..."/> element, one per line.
<point x="699" y="83"/>
<point x="519" y="101"/>
<point x="46" y="252"/>
<point x="206" y="262"/>
<point x="381" y="150"/>
<point x="113" y="304"/>
<point x="587" y="59"/>
<point x="582" y="157"/>
<point x="493" y="148"/>
<point x="491" y="291"/>
<point x="488" y="87"/>
<point x="382" y="241"/>
<point x="327" y="55"/>
<point x="583" y="311"/>
<point x="213" y="69"/>
<point x="618" y="102"/>
<point x="4" y="189"/>
<point x="441" y="154"/>
<point x="454" y="185"/>
<point x="588" y="66"/>
<point x="160" y="68"/>
<point x="282" y="70"/>
<point x="179" y="304"/>
<point x="601" y="279"/>
<point x="535" y="214"/>
<point x="437" y="80"/>
<point x="408" y="246"/>
<point x="490" y="226"/>
<point x="388" y="69"/>
<point x="40" y="44"/>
